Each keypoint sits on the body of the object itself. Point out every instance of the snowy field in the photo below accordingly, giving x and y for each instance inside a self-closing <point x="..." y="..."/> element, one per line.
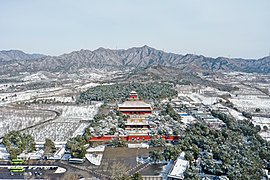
<point x="245" y="90"/>
<point x="81" y="112"/>
<point x="64" y="99"/>
<point x="18" y="97"/>
<point x="16" y="119"/>
<point x="72" y="121"/>
<point x="237" y="115"/>
<point x="265" y="135"/>
<point x="200" y="98"/>
<point x="87" y="86"/>
<point x="73" y="118"/>
<point x="57" y="131"/>
<point x="262" y="121"/>
<point x="250" y="103"/>
<point x="3" y="152"/>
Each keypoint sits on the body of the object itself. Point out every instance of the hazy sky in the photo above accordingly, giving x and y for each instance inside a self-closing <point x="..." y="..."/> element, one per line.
<point x="231" y="28"/>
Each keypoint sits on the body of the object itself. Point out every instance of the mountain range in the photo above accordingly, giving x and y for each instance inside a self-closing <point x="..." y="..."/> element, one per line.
<point x="18" y="55"/>
<point x="14" y="61"/>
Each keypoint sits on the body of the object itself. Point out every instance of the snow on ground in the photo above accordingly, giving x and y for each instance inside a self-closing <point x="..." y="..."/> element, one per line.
<point x="94" y="158"/>
<point x="64" y="99"/>
<point x="16" y="119"/>
<point x="246" y="90"/>
<point x="100" y="148"/>
<point x="87" y="86"/>
<point x="60" y="170"/>
<point x="251" y="102"/>
<point x="3" y="152"/>
<point x="265" y="135"/>
<point x="200" y="98"/>
<point x="237" y="115"/>
<point x="80" y="129"/>
<point x="35" y="77"/>
<point x="72" y="122"/>
<point x="31" y="94"/>
<point x="261" y="121"/>
<point x="57" y="131"/>
<point x="82" y="112"/>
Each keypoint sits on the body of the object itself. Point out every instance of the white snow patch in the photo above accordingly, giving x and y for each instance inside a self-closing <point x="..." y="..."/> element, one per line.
<point x="94" y="158"/>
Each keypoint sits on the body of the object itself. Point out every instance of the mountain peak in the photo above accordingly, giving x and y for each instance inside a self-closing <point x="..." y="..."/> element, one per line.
<point x="100" y="49"/>
<point x="18" y="55"/>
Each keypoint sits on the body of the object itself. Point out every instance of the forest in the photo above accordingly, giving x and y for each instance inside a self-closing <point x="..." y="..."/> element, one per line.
<point x="109" y="93"/>
<point x="237" y="151"/>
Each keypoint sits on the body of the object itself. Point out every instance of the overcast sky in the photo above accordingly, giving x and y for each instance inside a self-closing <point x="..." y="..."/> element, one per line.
<point x="230" y="28"/>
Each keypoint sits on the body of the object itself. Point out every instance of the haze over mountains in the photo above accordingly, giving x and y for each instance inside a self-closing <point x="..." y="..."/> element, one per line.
<point x="13" y="61"/>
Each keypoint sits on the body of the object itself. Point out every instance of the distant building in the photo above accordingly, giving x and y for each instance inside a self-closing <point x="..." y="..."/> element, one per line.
<point x="135" y="106"/>
<point x="179" y="167"/>
<point x="187" y="89"/>
<point x="33" y="155"/>
<point x="138" y="111"/>
<point x="133" y="95"/>
<point x="58" y="154"/>
<point x="156" y="171"/>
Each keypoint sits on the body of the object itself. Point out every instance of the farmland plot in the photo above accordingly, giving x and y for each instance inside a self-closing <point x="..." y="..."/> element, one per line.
<point x="262" y="121"/>
<point x="69" y="112"/>
<point x="200" y="98"/>
<point x="251" y="102"/>
<point x="17" y="119"/>
<point x="72" y="121"/>
<point x="57" y="131"/>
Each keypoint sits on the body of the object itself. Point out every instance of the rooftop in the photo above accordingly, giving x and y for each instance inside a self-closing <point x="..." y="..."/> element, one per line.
<point x="133" y="92"/>
<point x="179" y="167"/>
<point x="134" y="104"/>
<point x="136" y="123"/>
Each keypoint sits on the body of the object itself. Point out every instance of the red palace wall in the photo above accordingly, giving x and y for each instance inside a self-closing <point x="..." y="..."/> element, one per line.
<point x="133" y="138"/>
<point x="140" y="112"/>
<point x="133" y="96"/>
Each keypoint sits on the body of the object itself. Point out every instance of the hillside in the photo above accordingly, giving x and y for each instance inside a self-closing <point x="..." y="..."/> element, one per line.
<point x="18" y="55"/>
<point x="170" y="74"/>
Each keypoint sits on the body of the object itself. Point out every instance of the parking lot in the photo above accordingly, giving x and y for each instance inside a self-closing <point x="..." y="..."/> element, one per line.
<point x="122" y="157"/>
<point x="5" y="174"/>
<point x="30" y="173"/>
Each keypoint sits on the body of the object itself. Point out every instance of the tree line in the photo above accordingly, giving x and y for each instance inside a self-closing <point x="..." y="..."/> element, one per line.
<point x="109" y="93"/>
